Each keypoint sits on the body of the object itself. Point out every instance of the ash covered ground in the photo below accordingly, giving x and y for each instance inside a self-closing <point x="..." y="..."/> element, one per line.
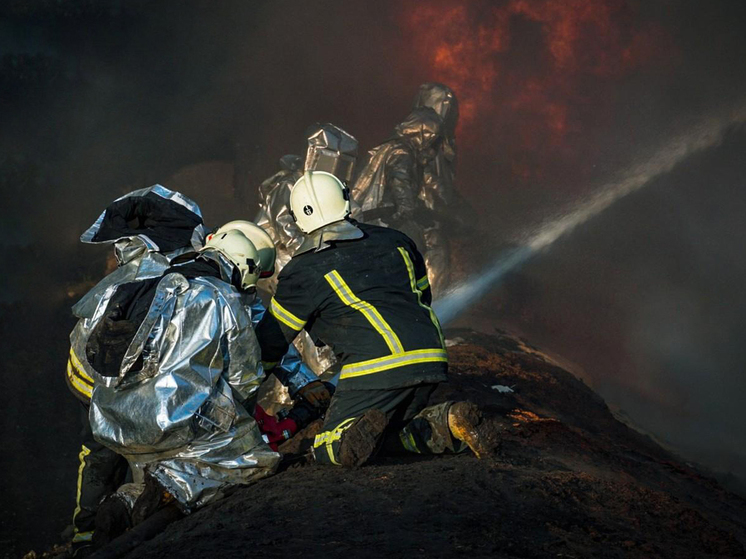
<point x="566" y="479"/>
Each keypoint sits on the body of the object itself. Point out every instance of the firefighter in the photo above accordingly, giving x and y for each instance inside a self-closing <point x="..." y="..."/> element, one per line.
<point x="390" y="190"/>
<point x="179" y="365"/>
<point x="331" y="149"/>
<point x="363" y="290"/>
<point x="437" y="192"/>
<point x="291" y="372"/>
<point x="274" y="212"/>
<point x="148" y="228"/>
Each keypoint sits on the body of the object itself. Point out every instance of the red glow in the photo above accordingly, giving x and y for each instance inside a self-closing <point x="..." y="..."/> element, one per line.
<point x="533" y="68"/>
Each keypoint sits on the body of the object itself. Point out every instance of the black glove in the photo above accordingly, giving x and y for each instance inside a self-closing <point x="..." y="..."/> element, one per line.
<point x="316" y="394"/>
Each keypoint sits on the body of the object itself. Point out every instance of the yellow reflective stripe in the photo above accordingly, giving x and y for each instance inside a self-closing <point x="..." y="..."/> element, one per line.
<point x="285" y="316"/>
<point x="403" y="359"/>
<point x="83" y="537"/>
<point x="371" y="314"/>
<point x="84" y="451"/>
<point x="329" y="437"/>
<point x="422" y="283"/>
<point x="79" y="367"/>
<point x="79" y="384"/>
<point x="330" y="452"/>
<point x="413" y="283"/>
<point x="407" y="440"/>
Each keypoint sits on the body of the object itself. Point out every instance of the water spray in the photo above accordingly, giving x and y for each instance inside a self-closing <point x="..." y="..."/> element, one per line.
<point x="703" y="135"/>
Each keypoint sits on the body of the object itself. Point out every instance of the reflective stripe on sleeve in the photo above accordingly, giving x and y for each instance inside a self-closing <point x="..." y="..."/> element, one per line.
<point x="414" y="283"/>
<point x="402" y="359"/>
<point x="82" y="537"/>
<point x="78" y="383"/>
<point x="422" y="283"/>
<point x="79" y="367"/>
<point x="285" y="316"/>
<point x="371" y="314"/>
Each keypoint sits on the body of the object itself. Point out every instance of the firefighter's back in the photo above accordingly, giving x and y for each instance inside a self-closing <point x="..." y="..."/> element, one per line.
<point x="370" y="303"/>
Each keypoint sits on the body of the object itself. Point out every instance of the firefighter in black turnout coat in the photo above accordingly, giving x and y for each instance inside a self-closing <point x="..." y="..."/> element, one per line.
<point x="363" y="290"/>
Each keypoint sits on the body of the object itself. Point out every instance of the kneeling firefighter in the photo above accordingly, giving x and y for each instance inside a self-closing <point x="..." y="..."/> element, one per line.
<point x="178" y="363"/>
<point x="147" y="228"/>
<point x="363" y="290"/>
<point x="309" y="394"/>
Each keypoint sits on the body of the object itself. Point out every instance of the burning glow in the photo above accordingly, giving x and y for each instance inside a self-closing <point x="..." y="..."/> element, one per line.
<point x="538" y="66"/>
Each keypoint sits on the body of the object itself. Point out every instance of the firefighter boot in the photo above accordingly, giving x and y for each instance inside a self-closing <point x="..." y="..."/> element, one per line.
<point x="361" y="441"/>
<point x="152" y="499"/>
<point x="463" y="420"/>
<point x="112" y="520"/>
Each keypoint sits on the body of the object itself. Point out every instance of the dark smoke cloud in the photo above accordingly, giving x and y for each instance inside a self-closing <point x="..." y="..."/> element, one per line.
<point x="100" y="97"/>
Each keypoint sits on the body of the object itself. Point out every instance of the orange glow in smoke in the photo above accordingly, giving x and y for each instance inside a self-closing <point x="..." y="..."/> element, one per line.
<point x="538" y="61"/>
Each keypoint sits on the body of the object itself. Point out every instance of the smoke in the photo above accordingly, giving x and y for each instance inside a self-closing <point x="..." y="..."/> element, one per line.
<point x="535" y="70"/>
<point x="99" y="98"/>
<point x="702" y="135"/>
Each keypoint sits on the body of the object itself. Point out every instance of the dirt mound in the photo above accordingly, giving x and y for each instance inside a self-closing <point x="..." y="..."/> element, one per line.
<point x="566" y="480"/>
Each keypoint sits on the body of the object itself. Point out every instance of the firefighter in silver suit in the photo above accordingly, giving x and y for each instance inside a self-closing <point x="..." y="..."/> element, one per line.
<point x="274" y="212"/>
<point x="407" y="182"/>
<point x="437" y="189"/>
<point x="178" y="365"/>
<point x="292" y="378"/>
<point x="329" y="149"/>
<point x="147" y="228"/>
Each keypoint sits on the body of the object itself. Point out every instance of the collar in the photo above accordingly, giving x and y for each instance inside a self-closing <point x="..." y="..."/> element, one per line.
<point x="318" y="240"/>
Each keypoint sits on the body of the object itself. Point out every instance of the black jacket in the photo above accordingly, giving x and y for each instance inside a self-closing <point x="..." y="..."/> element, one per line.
<point x="369" y="300"/>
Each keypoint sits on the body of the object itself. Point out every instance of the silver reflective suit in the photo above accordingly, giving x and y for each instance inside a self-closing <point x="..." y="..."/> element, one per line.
<point x="407" y="182"/>
<point x="330" y="149"/>
<point x="180" y="417"/>
<point x="438" y="191"/>
<point x="274" y="211"/>
<point x="139" y="257"/>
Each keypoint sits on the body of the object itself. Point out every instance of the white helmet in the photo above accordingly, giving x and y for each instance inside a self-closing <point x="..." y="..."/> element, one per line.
<point x="259" y="238"/>
<point x="234" y="245"/>
<point x="317" y="199"/>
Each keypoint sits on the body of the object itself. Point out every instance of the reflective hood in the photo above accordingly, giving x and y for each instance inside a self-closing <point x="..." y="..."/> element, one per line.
<point x="331" y="149"/>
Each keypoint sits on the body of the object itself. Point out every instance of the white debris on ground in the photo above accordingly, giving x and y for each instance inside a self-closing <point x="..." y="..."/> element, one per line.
<point x="454" y="341"/>
<point x="502" y="388"/>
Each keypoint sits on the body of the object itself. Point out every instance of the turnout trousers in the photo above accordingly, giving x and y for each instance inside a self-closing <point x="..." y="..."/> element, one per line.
<point x="100" y="472"/>
<point x="413" y="426"/>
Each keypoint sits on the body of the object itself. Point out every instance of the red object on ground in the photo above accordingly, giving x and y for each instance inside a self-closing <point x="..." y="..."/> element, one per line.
<point x="274" y="430"/>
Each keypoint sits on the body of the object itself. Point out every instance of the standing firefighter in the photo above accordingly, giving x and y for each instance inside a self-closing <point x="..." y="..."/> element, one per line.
<point x="274" y="210"/>
<point x="148" y="228"/>
<point x="437" y="191"/>
<point x="407" y="182"/>
<point x="363" y="290"/>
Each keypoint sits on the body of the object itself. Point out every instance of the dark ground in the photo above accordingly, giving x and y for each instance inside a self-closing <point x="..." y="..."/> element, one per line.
<point x="566" y="480"/>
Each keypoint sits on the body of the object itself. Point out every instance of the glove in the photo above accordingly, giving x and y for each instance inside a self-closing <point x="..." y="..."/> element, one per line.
<point x="316" y="394"/>
<point x="274" y="431"/>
